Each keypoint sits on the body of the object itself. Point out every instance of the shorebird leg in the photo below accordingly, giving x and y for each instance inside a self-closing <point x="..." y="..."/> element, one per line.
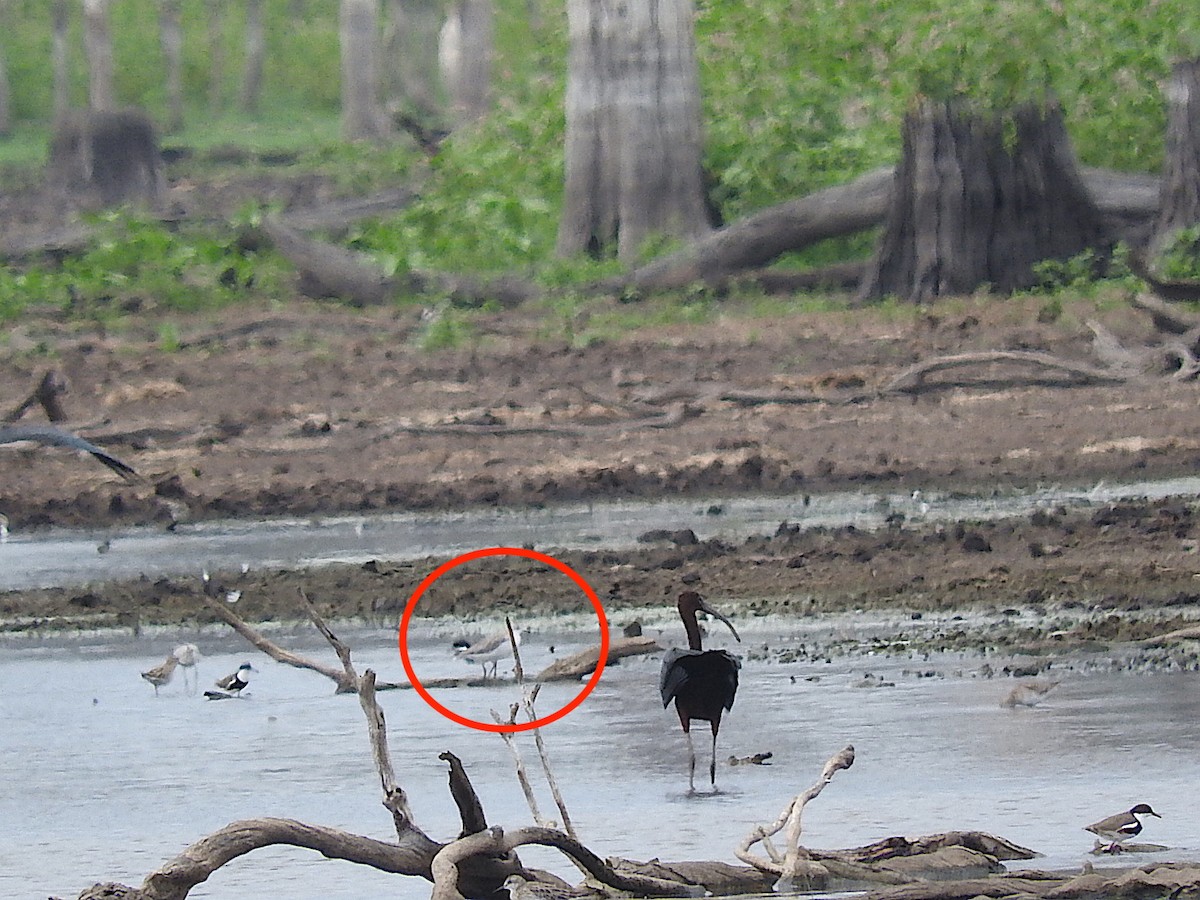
<point x="712" y="767"/>
<point x="691" y="762"/>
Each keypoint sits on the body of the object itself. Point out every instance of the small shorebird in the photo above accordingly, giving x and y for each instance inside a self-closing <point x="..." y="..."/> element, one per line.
<point x="187" y="656"/>
<point x="161" y="674"/>
<point x="232" y="684"/>
<point x="1122" y="826"/>
<point x="50" y="436"/>
<point x="490" y="649"/>
<point x="701" y="682"/>
<point x="1028" y="693"/>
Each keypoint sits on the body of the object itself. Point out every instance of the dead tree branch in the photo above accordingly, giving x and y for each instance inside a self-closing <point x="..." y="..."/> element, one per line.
<point x="795" y="861"/>
<point x="912" y="380"/>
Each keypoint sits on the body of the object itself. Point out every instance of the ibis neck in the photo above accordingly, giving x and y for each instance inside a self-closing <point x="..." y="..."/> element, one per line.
<point x="693" y="631"/>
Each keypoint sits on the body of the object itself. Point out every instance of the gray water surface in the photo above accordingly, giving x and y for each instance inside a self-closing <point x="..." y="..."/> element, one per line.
<point x="103" y="781"/>
<point x="58" y="558"/>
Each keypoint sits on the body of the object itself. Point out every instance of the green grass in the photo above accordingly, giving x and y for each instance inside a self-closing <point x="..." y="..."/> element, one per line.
<point x="795" y="97"/>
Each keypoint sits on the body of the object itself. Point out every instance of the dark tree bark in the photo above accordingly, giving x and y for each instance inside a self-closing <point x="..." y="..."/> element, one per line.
<point x="979" y="199"/>
<point x="97" y="42"/>
<point x="633" y="140"/>
<point x="170" y="36"/>
<point x="103" y="159"/>
<point x="1179" y="202"/>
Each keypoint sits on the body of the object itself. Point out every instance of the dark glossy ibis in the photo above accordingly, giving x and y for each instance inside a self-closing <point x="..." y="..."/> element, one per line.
<point x="701" y="682"/>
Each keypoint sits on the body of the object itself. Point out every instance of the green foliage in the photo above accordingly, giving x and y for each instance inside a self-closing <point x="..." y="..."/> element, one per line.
<point x="796" y="96"/>
<point x="138" y="264"/>
<point x="1181" y="259"/>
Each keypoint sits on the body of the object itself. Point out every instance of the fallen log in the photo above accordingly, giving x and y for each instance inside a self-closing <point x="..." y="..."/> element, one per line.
<point x="585" y="661"/>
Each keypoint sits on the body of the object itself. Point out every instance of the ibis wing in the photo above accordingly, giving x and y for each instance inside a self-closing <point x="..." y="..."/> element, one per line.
<point x="57" y="437"/>
<point x="716" y="668"/>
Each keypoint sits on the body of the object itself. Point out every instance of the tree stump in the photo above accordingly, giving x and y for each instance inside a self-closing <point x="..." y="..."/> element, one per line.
<point x="978" y="200"/>
<point x="1179" y="194"/>
<point x="101" y="159"/>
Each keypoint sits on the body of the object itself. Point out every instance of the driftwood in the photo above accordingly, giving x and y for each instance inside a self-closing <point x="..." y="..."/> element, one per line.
<point x="585" y="661"/>
<point x="1145" y="883"/>
<point x="345" y="681"/>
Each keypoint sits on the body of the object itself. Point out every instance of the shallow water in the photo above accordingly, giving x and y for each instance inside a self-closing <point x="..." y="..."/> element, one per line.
<point x="58" y="558"/>
<point x="105" y="782"/>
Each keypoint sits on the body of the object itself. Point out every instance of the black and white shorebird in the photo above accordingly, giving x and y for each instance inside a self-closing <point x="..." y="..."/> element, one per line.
<point x="232" y="685"/>
<point x="49" y="436"/>
<point x="1122" y="826"/>
<point x="161" y="674"/>
<point x="490" y="649"/>
<point x="702" y="682"/>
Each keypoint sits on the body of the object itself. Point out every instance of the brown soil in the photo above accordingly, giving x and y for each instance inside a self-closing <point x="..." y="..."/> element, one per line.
<point x="313" y="409"/>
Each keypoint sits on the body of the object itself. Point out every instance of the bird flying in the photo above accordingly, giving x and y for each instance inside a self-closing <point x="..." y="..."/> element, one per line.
<point x="49" y="436"/>
<point x="702" y="682"/>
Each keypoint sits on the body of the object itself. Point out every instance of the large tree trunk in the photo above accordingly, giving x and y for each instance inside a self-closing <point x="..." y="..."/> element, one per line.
<point x="256" y="48"/>
<point x="170" y="35"/>
<point x="97" y="43"/>
<point x="5" y="108"/>
<point x="979" y="199"/>
<point x="633" y="139"/>
<point x="465" y="58"/>
<point x="359" y="31"/>
<point x="61" y="15"/>
<point x="1179" y="203"/>
<point x="216" y="55"/>
<point x="411" y="57"/>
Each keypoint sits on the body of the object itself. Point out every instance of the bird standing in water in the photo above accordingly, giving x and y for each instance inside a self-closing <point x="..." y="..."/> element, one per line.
<point x="1122" y="826"/>
<point x="161" y="674"/>
<point x="490" y="649"/>
<point x="702" y="682"/>
<point x="232" y="684"/>
<point x="188" y="655"/>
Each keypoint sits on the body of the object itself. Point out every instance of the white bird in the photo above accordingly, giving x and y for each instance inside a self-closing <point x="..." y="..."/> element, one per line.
<point x="161" y="674"/>
<point x="187" y="656"/>
<point x="523" y="889"/>
<point x="486" y="650"/>
<point x="232" y="685"/>
<point x="50" y="436"/>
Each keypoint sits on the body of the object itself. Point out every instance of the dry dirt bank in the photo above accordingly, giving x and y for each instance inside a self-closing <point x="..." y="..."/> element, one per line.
<point x="317" y="410"/>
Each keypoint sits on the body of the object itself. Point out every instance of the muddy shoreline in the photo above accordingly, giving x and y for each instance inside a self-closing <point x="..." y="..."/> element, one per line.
<point x="1053" y="583"/>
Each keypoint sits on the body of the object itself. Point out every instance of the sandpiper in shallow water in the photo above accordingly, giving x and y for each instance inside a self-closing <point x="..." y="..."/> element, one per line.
<point x="161" y="674"/>
<point x="490" y="649"/>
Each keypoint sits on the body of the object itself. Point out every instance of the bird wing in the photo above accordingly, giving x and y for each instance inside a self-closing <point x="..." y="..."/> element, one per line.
<point x="681" y="667"/>
<point x="484" y="645"/>
<point x="227" y="682"/>
<point x="57" y="437"/>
